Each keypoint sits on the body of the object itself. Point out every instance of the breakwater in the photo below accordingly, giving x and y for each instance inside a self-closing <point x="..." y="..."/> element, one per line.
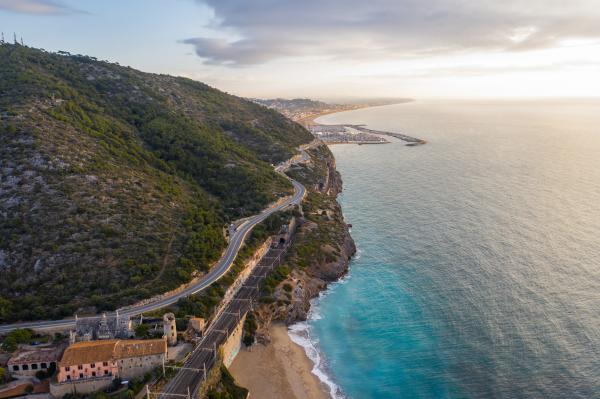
<point x="411" y="140"/>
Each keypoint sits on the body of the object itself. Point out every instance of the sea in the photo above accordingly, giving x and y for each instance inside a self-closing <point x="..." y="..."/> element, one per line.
<point x="478" y="266"/>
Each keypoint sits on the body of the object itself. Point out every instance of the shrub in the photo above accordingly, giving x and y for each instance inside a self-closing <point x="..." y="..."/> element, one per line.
<point x="142" y="331"/>
<point x="15" y="337"/>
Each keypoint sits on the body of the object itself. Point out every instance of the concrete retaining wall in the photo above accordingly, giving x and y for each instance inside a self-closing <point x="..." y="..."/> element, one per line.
<point x="242" y="277"/>
<point x="232" y="346"/>
<point x="58" y="390"/>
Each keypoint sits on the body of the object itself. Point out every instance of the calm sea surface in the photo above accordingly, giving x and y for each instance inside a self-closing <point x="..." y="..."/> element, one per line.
<point x="478" y="273"/>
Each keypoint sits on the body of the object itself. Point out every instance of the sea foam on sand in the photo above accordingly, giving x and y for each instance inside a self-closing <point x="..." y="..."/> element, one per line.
<point x="300" y="334"/>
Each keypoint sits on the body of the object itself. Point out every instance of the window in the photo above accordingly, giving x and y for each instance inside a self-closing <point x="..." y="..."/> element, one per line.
<point x="25" y="367"/>
<point x="105" y="364"/>
<point x="44" y="366"/>
<point x="93" y="365"/>
<point x="67" y="368"/>
<point x="80" y="367"/>
<point x="34" y="366"/>
<point x="16" y="367"/>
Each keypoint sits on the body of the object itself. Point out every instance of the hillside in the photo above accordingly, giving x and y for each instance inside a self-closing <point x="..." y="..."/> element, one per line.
<point x="296" y="104"/>
<point x="116" y="184"/>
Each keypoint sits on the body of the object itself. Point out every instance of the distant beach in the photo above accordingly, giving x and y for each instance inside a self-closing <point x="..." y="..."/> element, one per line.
<point x="310" y="120"/>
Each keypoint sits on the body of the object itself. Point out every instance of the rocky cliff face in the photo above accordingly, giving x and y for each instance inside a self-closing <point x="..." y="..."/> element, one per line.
<point x="322" y="247"/>
<point x="308" y="284"/>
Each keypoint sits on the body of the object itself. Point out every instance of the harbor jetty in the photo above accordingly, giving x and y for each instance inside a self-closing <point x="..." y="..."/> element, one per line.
<point x="412" y="141"/>
<point x="358" y="134"/>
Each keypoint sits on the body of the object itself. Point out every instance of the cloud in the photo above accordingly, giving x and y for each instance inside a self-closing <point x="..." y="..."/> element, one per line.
<point x="36" y="7"/>
<point x="267" y="30"/>
<point x="220" y="51"/>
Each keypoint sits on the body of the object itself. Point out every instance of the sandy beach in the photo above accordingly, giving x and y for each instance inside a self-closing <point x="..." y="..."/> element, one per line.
<point x="278" y="370"/>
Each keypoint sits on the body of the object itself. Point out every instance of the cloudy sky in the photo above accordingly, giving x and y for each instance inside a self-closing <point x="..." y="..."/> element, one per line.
<point x="334" y="48"/>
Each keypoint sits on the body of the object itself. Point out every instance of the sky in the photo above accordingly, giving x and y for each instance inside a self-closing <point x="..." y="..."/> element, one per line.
<point x="334" y="49"/>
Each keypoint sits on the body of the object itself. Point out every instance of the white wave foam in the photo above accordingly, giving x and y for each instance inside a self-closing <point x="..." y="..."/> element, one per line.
<point x="358" y="254"/>
<point x="314" y="314"/>
<point x="300" y="334"/>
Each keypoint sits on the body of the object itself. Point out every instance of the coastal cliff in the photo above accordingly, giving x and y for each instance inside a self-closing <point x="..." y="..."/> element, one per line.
<point x="320" y="252"/>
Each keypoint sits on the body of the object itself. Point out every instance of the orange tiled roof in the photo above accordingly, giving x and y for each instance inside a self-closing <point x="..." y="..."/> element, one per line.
<point x="88" y="352"/>
<point x="107" y="350"/>
<point x="136" y="348"/>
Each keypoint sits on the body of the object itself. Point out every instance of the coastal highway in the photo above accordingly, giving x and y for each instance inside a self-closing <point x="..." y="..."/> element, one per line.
<point x="237" y="237"/>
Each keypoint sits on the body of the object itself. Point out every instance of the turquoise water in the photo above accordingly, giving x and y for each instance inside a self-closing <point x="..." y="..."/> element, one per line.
<point x="478" y="274"/>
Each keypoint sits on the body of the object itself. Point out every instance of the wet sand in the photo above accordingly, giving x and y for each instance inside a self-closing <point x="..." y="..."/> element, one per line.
<point x="278" y="370"/>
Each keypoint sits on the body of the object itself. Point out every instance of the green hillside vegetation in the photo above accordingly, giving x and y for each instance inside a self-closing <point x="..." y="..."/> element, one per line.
<point x="116" y="184"/>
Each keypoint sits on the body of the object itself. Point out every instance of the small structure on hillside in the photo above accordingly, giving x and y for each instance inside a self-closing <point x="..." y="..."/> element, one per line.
<point x="104" y="327"/>
<point x="197" y="324"/>
<point x="170" y="328"/>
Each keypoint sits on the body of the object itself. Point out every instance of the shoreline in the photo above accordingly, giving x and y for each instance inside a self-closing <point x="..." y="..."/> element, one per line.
<point x="300" y="333"/>
<point x="290" y="364"/>
<point x="311" y="119"/>
<point x="280" y="369"/>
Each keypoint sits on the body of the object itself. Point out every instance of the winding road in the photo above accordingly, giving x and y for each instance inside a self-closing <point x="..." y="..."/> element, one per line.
<point x="237" y="237"/>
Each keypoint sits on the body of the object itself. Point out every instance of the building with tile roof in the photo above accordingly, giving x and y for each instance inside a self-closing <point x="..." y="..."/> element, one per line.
<point x="125" y="359"/>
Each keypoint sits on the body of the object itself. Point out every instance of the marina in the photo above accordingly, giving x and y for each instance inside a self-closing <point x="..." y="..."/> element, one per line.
<point x="358" y="134"/>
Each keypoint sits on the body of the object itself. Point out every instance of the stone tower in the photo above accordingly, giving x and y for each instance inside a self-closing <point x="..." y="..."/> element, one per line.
<point x="170" y="328"/>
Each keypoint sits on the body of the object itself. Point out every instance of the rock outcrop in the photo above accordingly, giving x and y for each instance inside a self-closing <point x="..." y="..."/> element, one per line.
<point x="311" y="273"/>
